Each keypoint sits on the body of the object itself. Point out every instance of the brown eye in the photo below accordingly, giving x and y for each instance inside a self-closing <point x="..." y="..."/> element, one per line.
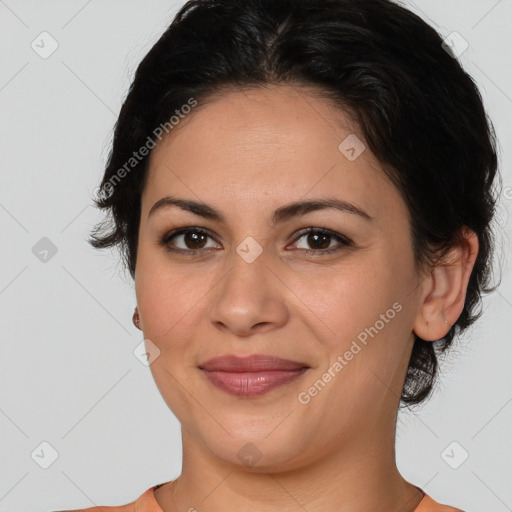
<point x="186" y="240"/>
<point x="320" y="240"/>
<point x="194" y="240"/>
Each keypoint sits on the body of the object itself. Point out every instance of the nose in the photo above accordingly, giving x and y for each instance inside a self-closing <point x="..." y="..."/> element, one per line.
<point x="250" y="299"/>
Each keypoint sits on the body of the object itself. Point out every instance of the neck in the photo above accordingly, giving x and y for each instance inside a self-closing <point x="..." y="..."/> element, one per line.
<point x="358" y="477"/>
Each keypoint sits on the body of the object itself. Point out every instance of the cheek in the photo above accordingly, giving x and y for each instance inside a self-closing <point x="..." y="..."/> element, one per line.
<point x="170" y="298"/>
<point x="361" y="320"/>
<point x="343" y="300"/>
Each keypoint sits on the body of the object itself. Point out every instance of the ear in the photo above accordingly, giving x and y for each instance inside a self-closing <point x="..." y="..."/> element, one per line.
<point x="445" y="289"/>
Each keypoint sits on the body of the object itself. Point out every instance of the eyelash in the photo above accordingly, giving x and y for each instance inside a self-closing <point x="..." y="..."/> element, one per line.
<point x="343" y="240"/>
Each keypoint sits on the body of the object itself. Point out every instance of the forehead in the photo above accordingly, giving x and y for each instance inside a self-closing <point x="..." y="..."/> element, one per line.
<point x="270" y="144"/>
<point x="270" y="122"/>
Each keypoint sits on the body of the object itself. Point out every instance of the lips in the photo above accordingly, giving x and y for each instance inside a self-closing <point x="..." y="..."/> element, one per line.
<point x="254" y="363"/>
<point x="251" y="376"/>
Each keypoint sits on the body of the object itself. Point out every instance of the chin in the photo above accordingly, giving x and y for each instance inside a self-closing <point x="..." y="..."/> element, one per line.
<point x="259" y="453"/>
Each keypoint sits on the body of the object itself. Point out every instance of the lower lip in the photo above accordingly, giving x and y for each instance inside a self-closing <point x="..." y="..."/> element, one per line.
<point x="252" y="383"/>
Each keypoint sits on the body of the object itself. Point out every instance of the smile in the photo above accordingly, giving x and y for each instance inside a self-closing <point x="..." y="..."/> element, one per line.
<point x="251" y="375"/>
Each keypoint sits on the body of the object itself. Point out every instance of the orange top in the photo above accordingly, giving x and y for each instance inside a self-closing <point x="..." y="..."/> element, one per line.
<point x="146" y="502"/>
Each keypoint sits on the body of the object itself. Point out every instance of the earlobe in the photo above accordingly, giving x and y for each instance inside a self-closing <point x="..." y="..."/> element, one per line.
<point x="136" y="318"/>
<point x="446" y="289"/>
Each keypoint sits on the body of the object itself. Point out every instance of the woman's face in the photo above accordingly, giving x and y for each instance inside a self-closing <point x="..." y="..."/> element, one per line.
<point x="257" y="285"/>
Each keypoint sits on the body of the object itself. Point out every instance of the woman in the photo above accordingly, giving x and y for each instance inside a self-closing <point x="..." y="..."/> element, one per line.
<point x="303" y="194"/>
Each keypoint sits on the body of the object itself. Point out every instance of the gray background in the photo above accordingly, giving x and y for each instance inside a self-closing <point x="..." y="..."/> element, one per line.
<point x="68" y="375"/>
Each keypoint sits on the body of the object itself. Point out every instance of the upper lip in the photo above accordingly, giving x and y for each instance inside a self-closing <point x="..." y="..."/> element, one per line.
<point x="253" y="363"/>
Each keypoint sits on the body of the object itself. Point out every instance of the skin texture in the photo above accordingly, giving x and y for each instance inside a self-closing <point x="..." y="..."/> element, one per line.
<point x="247" y="153"/>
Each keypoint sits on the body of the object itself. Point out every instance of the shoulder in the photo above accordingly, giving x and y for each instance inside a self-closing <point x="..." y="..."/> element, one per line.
<point x="428" y="504"/>
<point x="144" y="503"/>
<point x="129" y="507"/>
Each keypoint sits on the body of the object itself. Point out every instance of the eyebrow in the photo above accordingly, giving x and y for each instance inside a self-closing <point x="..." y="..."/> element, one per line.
<point x="282" y="214"/>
